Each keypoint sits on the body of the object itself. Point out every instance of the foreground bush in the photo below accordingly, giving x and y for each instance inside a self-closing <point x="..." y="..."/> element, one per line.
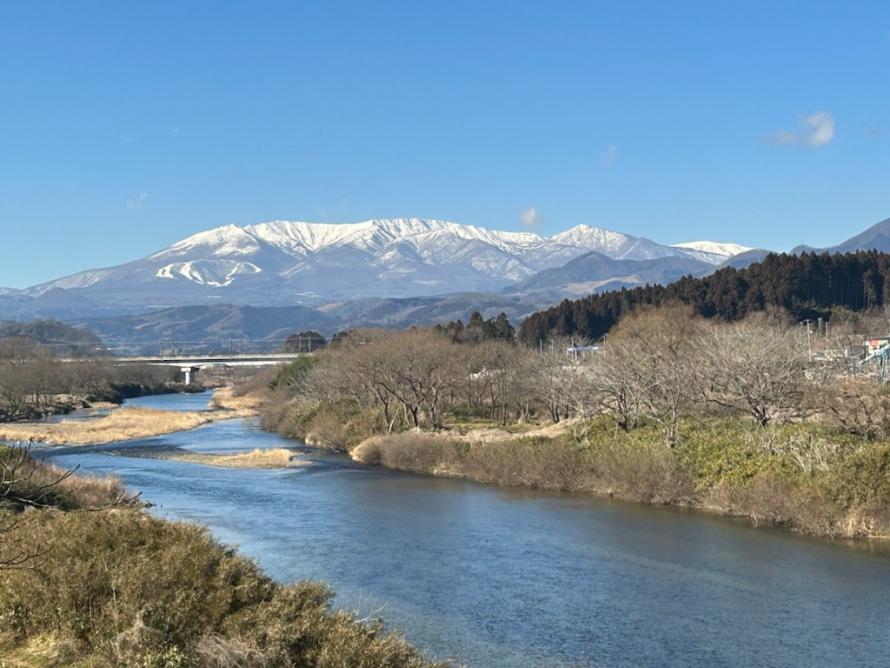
<point x="118" y="587"/>
<point x="28" y="483"/>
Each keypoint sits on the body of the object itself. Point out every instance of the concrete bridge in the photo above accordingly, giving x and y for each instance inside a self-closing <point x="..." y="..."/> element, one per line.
<point x="190" y="364"/>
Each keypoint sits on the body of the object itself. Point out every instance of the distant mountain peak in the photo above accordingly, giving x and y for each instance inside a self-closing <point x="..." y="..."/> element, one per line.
<point x="220" y="241"/>
<point x="723" y="249"/>
<point x="876" y="237"/>
<point x="588" y="234"/>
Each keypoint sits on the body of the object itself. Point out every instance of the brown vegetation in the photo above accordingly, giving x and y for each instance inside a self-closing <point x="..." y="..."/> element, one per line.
<point x="120" y="425"/>
<point x="33" y="384"/>
<point x="270" y="458"/>
<point x="739" y="418"/>
<point x="117" y="587"/>
<point x="227" y="398"/>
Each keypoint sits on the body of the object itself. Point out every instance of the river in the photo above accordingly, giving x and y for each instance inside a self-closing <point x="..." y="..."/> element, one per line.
<point x="505" y="577"/>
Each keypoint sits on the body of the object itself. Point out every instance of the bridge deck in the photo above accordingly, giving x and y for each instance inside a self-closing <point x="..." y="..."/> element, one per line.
<point x="186" y="360"/>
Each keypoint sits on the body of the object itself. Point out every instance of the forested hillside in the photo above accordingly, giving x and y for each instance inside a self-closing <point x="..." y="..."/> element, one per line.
<point x="61" y="338"/>
<point x="807" y="285"/>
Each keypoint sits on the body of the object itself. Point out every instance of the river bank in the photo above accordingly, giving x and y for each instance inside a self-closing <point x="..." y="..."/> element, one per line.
<point x="103" y="395"/>
<point x="122" y="423"/>
<point x="804" y="477"/>
<point x="90" y="578"/>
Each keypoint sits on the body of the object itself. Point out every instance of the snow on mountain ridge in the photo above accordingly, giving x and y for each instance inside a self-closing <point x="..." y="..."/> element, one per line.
<point x="279" y="260"/>
<point x="725" y="250"/>
<point x="225" y="240"/>
<point x="592" y="237"/>
<point x="302" y="237"/>
<point x="213" y="273"/>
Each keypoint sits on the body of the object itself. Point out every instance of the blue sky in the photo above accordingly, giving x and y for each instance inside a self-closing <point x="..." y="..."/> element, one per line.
<point x="127" y="126"/>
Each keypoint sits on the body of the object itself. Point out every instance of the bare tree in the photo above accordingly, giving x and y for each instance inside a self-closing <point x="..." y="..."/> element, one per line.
<point x="554" y="379"/>
<point x="17" y="385"/>
<point x="422" y="372"/>
<point x="663" y="343"/>
<point x="754" y="367"/>
<point x="616" y="381"/>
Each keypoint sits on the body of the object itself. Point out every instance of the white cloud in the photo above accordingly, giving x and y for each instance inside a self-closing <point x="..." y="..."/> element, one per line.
<point x="815" y="130"/>
<point x="609" y="154"/>
<point x="531" y="219"/>
<point x="135" y="203"/>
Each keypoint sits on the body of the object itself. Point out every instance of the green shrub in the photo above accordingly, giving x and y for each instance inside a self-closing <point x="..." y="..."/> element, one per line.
<point x="291" y="375"/>
<point x="722" y="452"/>
<point x="340" y="424"/>
<point x="861" y="478"/>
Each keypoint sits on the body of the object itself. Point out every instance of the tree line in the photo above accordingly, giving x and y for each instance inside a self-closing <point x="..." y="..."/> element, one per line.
<point x="808" y="285"/>
<point x="62" y="339"/>
<point x="658" y="366"/>
<point x="33" y="383"/>
<point x="755" y="417"/>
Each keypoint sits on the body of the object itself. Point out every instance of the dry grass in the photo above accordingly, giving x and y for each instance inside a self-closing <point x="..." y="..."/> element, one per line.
<point x="495" y="434"/>
<point x="121" y="588"/>
<point x="271" y="458"/>
<point x="38" y="483"/>
<point x="41" y="650"/>
<point x="540" y="462"/>
<point x="121" y="425"/>
<point x="226" y="398"/>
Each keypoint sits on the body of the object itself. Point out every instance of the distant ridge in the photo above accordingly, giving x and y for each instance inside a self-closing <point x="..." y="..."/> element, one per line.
<point x="876" y="237"/>
<point x="295" y="262"/>
<point x="805" y="287"/>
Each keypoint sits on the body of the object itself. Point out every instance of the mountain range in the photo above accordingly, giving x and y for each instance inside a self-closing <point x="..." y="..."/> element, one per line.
<point x="262" y="281"/>
<point x="285" y="263"/>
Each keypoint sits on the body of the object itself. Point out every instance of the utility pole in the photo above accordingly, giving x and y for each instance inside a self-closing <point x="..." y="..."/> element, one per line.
<point x="808" y="322"/>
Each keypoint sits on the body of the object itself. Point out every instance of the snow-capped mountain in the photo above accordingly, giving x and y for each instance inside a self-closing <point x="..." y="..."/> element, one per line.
<point x="721" y="249"/>
<point x="282" y="262"/>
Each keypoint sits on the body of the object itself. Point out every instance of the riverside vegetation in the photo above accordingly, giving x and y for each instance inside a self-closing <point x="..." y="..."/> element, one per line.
<point x="33" y="384"/>
<point x="140" y="591"/>
<point x="736" y="418"/>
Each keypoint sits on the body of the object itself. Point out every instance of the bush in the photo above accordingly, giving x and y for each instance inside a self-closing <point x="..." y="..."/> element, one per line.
<point x="620" y="467"/>
<point x="143" y="591"/>
<point x="340" y="424"/>
<point x="118" y="587"/>
<point x="28" y="482"/>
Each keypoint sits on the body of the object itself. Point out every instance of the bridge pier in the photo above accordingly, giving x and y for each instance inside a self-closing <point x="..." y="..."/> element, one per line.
<point x="189" y="374"/>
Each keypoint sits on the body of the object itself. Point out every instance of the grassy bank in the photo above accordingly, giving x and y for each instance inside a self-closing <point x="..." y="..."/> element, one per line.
<point x="119" y="425"/>
<point x="117" y="587"/>
<point x="804" y="476"/>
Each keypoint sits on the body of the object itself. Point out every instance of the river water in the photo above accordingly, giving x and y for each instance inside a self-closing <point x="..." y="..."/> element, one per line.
<point x="502" y="577"/>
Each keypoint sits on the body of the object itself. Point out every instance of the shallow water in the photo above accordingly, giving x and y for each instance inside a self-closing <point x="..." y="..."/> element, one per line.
<point x="499" y="577"/>
<point x="198" y="401"/>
